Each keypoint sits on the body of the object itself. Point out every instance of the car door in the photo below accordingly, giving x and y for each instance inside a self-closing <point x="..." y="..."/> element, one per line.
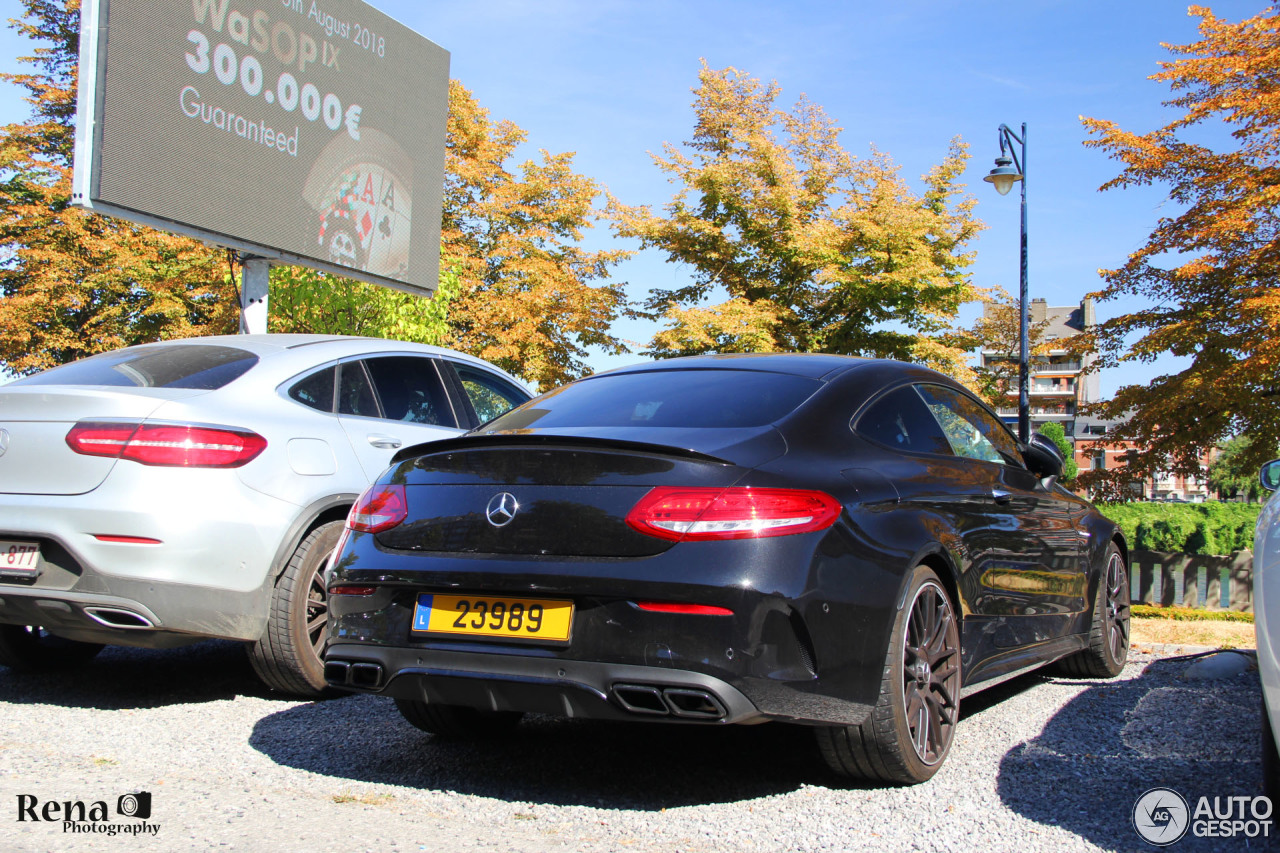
<point x="1033" y="575"/>
<point x="952" y="495"/>
<point x="387" y="402"/>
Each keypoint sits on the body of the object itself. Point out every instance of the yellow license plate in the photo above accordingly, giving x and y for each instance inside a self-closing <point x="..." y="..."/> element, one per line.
<point x="493" y="616"/>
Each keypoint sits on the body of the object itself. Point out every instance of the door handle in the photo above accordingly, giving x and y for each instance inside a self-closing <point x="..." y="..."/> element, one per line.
<point x="1001" y="496"/>
<point x="384" y="442"/>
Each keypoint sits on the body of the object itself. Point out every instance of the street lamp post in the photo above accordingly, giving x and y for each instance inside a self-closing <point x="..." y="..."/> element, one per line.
<point x="1011" y="168"/>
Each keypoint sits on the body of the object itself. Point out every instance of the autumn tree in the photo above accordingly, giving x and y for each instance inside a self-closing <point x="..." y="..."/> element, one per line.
<point x="532" y="298"/>
<point x="516" y="286"/>
<point x="1210" y="269"/>
<point x="816" y="250"/>
<point x="75" y="283"/>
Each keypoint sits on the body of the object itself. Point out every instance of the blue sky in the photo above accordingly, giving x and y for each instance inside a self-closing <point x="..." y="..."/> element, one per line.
<point x="611" y="80"/>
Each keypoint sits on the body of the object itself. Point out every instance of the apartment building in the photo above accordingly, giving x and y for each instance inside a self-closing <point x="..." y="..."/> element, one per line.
<point x="1097" y="449"/>
<point x="1058" y="385"/>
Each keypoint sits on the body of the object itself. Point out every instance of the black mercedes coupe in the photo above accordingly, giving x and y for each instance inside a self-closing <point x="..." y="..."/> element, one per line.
<point x="843" y="543"/>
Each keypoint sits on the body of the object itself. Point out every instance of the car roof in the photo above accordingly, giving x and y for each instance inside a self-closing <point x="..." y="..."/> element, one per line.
<point x="812" y="365"/>
<point x="287" y="354"/>
<point x="323" y="347"/>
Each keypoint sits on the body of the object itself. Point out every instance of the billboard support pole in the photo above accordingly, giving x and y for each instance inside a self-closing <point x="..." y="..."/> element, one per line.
<point x="254" y="280"/>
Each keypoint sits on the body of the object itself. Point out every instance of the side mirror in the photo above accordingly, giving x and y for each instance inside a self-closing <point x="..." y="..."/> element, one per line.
<point x="1269" y="476"/>
<point x="1043" y="457"/>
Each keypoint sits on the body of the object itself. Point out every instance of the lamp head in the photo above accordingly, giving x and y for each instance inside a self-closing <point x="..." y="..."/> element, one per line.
<point x="1003" y="176"/>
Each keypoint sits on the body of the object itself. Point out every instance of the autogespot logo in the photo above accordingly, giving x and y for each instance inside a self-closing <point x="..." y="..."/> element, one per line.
<point x="1161" y="816"/>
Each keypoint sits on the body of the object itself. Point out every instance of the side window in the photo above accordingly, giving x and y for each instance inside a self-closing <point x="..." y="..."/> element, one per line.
<point x="972" y="431"/>
<point x="490" y="395"/>
<point x="316" y="390"/>
<point x="355" y="394"/>
<point x="901" y="420"/>
<point x="410" y="389"/>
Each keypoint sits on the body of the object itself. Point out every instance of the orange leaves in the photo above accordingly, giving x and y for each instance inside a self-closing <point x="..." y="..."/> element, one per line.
<point x="532" y="298"/>
<point x="1210" y="267"/>
<point x="76" y="283"/>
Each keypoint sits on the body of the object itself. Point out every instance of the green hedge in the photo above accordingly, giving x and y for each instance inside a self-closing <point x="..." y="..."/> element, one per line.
<point x="1205" y="529"/>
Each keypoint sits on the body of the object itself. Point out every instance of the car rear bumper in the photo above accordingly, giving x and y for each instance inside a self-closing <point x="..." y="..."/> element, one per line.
<point x="585" y="689"/>
<point x="777" y="647"/>
<point x="185" y="562"/>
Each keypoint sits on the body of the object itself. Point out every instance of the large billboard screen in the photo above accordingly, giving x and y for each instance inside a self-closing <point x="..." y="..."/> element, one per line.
<point x="297" y="130"/>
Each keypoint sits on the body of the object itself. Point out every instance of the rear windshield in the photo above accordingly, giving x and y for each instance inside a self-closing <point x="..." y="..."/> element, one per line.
<point x="201" y="366"/>
<point x="698" y="399"/>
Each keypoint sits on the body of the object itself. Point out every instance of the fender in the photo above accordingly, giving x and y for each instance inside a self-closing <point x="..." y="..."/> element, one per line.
<point x="332" y="508"/>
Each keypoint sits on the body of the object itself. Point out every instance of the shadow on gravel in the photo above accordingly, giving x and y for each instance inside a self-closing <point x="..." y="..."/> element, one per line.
<point x="637" y="766"/>
<point x="1119" y="739"/>
<point x="546" y="760"/>
<point x="126" y="678"/>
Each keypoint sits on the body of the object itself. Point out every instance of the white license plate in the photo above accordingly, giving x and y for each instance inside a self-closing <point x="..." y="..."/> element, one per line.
<point x="21" y="559"/>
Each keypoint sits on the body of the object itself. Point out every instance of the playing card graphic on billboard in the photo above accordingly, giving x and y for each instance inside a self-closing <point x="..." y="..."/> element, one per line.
<point x="364" y="201"/>
<point x="306" y="131"/>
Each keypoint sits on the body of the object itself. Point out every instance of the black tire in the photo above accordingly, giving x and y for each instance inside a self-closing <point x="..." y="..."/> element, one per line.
<point x="456" y="720"/>
<point x="29" y="648"/>
<point x="287" y="657"/>
<point x="1270" y="758"/>
<point x="909" y="733"/>
<point x="1109" y="628"/>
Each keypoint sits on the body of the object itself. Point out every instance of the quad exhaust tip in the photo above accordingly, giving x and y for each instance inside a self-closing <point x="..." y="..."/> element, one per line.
<point x="366" y="676"/>
<point x="683" y="702"/>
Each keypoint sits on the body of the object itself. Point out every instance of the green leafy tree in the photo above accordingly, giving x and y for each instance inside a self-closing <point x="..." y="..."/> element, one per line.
<point x="1232" y="473"/>
<point x="817" y="250"/>
<point x="304" y="300"/>
<point x="1211" y="267"/>
<point x="1054" y="431"/>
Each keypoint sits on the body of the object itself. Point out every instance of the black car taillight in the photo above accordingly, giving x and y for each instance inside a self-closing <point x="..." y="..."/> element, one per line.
<point x="381" y="507"/>
<point x="176" y="445"/>
<point x="699" y="514"/>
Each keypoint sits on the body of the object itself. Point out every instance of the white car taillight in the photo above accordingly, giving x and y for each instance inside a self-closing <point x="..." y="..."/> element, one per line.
<point x="178" y="445"/>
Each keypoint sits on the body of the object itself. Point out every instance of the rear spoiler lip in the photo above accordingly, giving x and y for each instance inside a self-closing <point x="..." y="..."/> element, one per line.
<point x="496" y="441"/>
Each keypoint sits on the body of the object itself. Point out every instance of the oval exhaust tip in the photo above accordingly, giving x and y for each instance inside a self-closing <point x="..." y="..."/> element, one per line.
<point x="114" y="617"/>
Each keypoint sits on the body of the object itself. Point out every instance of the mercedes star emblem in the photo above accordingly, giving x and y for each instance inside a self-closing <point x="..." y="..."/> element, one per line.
<point x="501" y="509"/>
<point x="4" y="441"/>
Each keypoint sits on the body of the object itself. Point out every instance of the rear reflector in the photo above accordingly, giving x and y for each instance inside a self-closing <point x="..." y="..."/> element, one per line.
<point x="126" y="540"/>
<point x="699" y="514"/>
<point x="379" y="508"/>
<point x="691" y="609"/>
<point x="353" y="590"/>
<point x="176" y="445"/>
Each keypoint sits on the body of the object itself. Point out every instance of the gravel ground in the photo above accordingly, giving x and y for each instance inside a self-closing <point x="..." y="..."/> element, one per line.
<point x="1040" y="764"/>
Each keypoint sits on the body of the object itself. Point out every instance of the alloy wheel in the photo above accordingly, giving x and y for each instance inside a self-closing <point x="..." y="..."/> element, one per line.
<point x="317" y="611"/>
<point x="1117" y="603"/>
<point x="931" y="673"/>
